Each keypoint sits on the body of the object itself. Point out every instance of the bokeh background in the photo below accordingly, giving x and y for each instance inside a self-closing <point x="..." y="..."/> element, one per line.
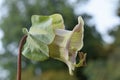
<point x="101" y="38"/>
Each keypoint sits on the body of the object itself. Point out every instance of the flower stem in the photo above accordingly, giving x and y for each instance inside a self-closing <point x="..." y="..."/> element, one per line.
<point x="22" y="41"/>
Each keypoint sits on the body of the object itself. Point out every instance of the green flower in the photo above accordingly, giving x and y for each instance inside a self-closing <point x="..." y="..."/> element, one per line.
<point x="66" y="45"/>
<point x="47" y="37"/>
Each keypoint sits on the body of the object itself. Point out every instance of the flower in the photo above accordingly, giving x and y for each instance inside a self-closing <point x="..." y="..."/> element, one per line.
<point x="47" y="37"/>
<point x="66" y="45"/>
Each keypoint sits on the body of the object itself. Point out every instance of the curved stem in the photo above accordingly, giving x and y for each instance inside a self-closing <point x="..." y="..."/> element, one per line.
<point x="22" y="41"/>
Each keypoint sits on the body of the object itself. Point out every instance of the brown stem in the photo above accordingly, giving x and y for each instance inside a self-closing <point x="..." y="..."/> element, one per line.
<point x="19" y="57"/>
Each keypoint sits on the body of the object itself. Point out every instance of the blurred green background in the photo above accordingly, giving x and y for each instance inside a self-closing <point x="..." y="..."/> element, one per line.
<point x="103" y="59"/>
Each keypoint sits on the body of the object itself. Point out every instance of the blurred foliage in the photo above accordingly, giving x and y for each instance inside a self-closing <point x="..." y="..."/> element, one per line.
<point x="116" y="33"/>
<point x="105" y="70"/>
<point x="108" y="69"/>
<point x="47" y="75"/>
<point x="100" y="66"/>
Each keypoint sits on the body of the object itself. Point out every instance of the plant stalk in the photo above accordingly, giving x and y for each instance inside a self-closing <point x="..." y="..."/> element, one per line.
<point x="22" y="41"/>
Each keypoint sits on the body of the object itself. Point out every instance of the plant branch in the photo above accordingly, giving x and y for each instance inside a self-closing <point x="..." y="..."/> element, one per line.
<point x="22" y="41"/>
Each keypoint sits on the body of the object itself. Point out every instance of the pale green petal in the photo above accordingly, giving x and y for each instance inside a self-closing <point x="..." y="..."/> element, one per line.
<point x="66" y="44"/>
<point x="71" y="67"/>
<point x="57" y="22"/>
<point x="61" y="41"/>
<point x="62" y="37"/>
<point x="39" y="36"/>
<point x="54" y="51"/>
<point x="35" y="50"/>
<point x="37" y="19"/>
<point x="41" y="28"/>
<point x="76" y="42"/>
<point x="44" y="35"/>
<point x="59" y="48"/>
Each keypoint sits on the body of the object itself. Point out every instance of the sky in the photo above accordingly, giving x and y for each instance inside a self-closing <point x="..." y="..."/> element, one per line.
<point x="103" y="13"/>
